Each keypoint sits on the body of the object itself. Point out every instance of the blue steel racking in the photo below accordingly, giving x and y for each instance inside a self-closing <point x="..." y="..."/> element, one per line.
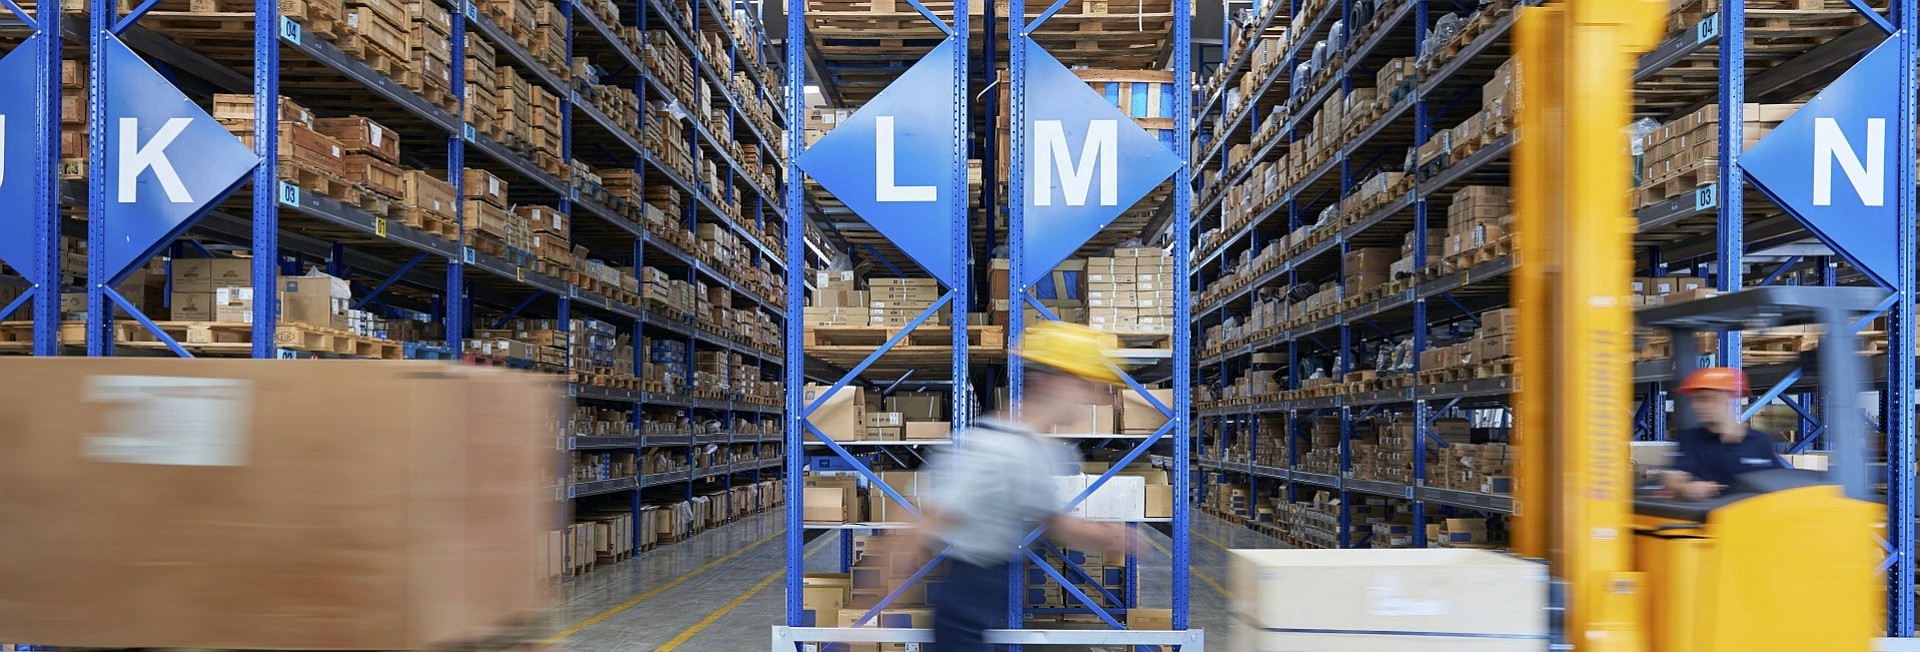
<point x="800" y="431"/>
<point x="1711" y="229"/>
<point x="355" y="243"/>
<point x="43" y="217"/>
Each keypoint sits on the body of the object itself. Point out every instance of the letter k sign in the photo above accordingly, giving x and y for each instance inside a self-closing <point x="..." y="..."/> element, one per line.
<point x="167" y="161"/>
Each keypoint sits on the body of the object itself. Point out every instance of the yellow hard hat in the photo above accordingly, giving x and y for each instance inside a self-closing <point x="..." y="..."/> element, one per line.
<point x="1072" y="348"/>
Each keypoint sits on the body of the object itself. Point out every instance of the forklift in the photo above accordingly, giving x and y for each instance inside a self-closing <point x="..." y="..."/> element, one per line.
<point x="1787" y="560"/>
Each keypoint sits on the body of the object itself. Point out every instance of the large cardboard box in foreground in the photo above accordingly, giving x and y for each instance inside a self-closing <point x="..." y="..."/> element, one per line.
<point x="251" y="504"/>
<point x="1391" y="599"/>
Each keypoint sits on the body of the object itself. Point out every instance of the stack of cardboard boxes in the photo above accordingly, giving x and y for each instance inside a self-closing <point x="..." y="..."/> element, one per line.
<point x="1131" y="292"/>
<point x="221" y="289"/>
<point x="837" y="300"/>
<point x="1366" y="268"/>
<point x="1485" y="468"/>
<point x="1478" y="216"/>
<point x="894" y="302"/>
<point x="1684" y="153"/>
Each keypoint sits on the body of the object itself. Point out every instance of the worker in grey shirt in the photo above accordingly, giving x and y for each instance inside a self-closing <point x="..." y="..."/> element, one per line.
<point x="997" y="485"/>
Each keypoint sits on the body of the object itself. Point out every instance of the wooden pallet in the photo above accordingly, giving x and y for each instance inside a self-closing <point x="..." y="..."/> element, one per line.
<point x="1503" y="368"/>
<point x="925" y="335"/>
<point x="319" y="182"/>
<point x="431" y="224"/>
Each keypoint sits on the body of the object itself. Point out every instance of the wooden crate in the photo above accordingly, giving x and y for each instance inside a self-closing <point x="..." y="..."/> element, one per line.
<point x="362" y="136"/>
<point x="377" y="175"/>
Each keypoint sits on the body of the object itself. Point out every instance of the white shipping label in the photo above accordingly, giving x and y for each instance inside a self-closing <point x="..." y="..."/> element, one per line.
<point x="170" y="420"/>
<point x="377" y="133"/>
<point x="1394" y="594"/>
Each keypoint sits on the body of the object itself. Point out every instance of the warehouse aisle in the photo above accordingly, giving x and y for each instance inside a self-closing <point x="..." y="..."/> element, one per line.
<point x="721" y="589"/>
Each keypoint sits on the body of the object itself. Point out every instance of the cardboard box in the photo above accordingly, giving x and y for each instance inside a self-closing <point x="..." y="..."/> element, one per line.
<point x="1121" y="497"/>
<point x="829" y="504"/>
<point x="1150" y="619"/>
<point x="1139" y="416"/>
<point x="231" y="272"/>
<point x="233" y="304"/>
<point x="1094" y="420"/>
<point x="271" y="456"/>
<point x="928" y="430"/>
<point x="192" y="306"/>
<point x="842" y="417"/>
<point x="192" y="275"/>
<point x="1159" y="501"/>
<point x="1449" y="592"/>
<point x="925" y="406"/>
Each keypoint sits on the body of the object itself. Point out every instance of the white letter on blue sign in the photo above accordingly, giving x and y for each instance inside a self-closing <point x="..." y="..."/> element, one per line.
<point x="136" y="158"/>
<point x="1102" y="148"/>
<point x="1830" y="144"/>
<point x="883" y="188"/>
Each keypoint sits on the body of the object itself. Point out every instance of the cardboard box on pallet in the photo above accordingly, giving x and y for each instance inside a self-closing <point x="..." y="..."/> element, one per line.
<point x="287" y="462"/>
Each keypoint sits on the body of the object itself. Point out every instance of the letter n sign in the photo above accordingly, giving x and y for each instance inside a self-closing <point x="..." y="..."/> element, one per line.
<point x="1086" y="163"/>
<point x="167" y="160"/>
<point x="1828" y="164"/>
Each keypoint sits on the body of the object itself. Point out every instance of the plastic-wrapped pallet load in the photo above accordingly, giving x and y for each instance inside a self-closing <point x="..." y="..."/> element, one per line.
<point x="270" y="505"/>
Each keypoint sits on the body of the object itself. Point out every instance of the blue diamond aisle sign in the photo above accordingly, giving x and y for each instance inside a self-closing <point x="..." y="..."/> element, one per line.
<point x="1086" y="163"/>
<point x="892" y="162"/>
<point x="18" y="180"/>
<point x="167" y="160"/>
<point x="1828" y="163"/>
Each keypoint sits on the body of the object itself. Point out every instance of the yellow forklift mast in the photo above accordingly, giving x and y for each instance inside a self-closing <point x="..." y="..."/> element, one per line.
<point x="1731" y="575"/>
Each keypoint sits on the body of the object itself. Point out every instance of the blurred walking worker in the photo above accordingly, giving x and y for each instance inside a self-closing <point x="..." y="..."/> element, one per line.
<point x="997" y="485"/>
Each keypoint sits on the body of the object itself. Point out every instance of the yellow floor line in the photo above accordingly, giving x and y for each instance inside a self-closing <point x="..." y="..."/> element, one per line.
<point x="609" y="613"/>
<point x="718" y="613"/>
<point x="1196" y="572"/>
<point x="1211" y="540"/>
<point x="724" y="609"/>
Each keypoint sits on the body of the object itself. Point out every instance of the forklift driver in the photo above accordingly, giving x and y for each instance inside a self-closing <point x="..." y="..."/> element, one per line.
<point x="1720" y="446"/>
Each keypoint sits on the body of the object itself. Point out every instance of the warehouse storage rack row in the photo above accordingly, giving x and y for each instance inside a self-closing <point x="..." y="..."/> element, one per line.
<point x="646" y="162"/>
<point x="946" y="339"/>
<point x="1380" y="357"/>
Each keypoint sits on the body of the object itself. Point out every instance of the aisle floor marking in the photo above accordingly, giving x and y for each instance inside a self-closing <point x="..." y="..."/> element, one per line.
<point x="1194" y="571"/>
<point x="1209" y="539"/>
<point x="609" y="613"/>
<point x="722" y="611"/>
<point x="735" y="603"/>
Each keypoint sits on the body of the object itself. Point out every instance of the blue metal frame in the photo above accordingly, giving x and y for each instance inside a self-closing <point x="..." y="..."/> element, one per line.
<point x="1900" y="337"/>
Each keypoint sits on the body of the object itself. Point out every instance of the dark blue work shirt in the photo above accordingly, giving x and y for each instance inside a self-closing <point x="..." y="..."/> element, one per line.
<point x="1707" y="458"/>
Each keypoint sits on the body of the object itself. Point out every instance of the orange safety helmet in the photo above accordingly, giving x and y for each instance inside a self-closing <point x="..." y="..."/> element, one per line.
<point x="1725" y="379"/>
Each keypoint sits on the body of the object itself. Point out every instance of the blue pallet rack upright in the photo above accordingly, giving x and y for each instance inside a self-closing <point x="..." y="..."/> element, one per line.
<point x="38" y="227"/>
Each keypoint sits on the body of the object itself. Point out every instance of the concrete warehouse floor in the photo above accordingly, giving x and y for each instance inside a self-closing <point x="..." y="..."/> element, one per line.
<point x="721" y="591"/>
